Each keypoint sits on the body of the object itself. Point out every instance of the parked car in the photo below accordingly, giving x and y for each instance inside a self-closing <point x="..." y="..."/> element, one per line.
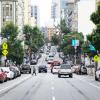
<point x="97" y="75"/>
<point x="65" y="69"/>
<point x="42" y="68"/>
<point x="25" y="68"/>
<point x="3" y="76"/>
<point x="8" y="72"/>
<point x="76" y="69"/>
<point x="17" y="70"/>
<point x="83" y="70"/>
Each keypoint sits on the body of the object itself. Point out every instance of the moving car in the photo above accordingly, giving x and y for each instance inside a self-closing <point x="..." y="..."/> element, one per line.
<point x="42" y="68"/>
<point x="3" y="76"/>
<point x="34" y="61"/>
<point x="50" y="61"/>
<point x="97" y="75"/>
<point x="8" y="72"/>
<point x="65" y="69"/>
<point x="55" y="67"/>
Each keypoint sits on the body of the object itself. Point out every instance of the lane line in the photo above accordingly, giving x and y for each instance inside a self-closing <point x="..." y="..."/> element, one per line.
<point x="91" y="84"/>
<point x="52" y="88"/>
<point x="53" y="98"/>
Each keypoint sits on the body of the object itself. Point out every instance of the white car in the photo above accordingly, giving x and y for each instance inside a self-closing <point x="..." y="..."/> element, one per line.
<point x="65" y="70"/>
<point x="97" y="75"/>
<point x="9" y="73"/>
<point x="55" y="69"/>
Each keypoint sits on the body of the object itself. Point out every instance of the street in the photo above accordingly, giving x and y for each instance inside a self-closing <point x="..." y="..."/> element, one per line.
<point x="48" y="86"/>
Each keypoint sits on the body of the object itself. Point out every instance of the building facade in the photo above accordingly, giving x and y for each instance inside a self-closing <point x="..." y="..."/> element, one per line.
<point x="7" y="12"/>
<point x="55" y="12"/>
<point x="27" y="12"/>
<point x="36" y="15"/>
<point x="51" y="31"/>
<point x="71" y="15"/>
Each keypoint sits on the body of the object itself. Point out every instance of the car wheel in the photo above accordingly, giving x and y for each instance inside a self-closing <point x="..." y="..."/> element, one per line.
<point x="96" y="78"/>
<point x="71" y="76"/>
<point x="59" y="75"/>
<point x="39" y="71"/>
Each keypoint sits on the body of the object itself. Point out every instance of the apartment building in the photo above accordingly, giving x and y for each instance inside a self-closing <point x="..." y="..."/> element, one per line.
<point x="7" y="12"/>
<point x="71" y="15"/>
<point x="27" y="12"/>
<point x="51" y="31"/>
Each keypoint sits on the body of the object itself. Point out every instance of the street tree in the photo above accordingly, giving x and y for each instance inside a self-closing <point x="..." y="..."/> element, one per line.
<point x="63" y="27"/>
<point x="55" y="39"/>
<point x="94" y="38"/>
<point x="33" y="39"/>
<point x="15" y="49"/>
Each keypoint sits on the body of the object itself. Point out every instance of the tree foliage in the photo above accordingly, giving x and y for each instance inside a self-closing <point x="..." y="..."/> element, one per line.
<point x="33" y="38"/>
<point x="95" y="37"/>
<point x="15" y="49"/>
<point x="66" y="45"/>
<point x="63" y="27"/>
<point x="55" y="39"/>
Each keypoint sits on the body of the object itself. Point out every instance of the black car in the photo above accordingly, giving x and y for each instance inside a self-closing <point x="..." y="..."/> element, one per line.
<point x="34" y="61"/>
<point x="42" y="68"/>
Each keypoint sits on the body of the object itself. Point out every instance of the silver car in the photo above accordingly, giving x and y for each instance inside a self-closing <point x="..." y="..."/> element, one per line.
<point x="65" y="70"/>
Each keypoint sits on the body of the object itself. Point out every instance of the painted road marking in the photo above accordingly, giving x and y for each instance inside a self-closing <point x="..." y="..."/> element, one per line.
<point x="52" y="88"/>
<point x="91" y="84"/>
<point x="53" y="98"/>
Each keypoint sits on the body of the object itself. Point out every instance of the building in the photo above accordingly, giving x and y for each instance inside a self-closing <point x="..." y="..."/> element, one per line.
<point x="33" y="20"/>
<point x="51" y="31"/>
<point x="71" y="15"/>
<point x="55" y="12"/>
<point x="20" y="14"/>
<point x="96" y="2"/>
<point x="27" y="12"/>
<point x="35" y="14"/>
<point x="7" y="12"/>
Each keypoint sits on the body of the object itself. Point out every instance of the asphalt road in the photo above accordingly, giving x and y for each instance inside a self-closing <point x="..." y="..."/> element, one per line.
<point x="50" y="87"/>
<point x="46" y="86"/>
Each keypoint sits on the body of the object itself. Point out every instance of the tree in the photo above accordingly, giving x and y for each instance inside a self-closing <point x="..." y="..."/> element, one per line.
<point x="63" y="27"/>
<point x="33" y="39"/>
<point x="15" y="49"/>
<point x="95" y="37"/>
<point x="55" y="39"/>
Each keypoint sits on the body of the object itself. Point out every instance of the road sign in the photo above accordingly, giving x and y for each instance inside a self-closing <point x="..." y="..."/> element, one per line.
<point x="4" y="52"/>
<point x="96" y="58"/>
<point x="92" y="48"/>
<point x="75" y="42"/>
<point x="4" y="45"/>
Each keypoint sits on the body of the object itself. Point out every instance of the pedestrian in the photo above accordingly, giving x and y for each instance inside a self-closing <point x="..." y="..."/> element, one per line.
<point x="34" y="69"/>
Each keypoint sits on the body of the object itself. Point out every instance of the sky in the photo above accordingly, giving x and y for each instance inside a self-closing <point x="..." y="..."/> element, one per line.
<point x="85" y="9"/>
<point x="44" y="10"/>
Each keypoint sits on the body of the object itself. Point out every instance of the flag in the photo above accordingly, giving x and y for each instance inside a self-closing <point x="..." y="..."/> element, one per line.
<point x="92" y="48"/>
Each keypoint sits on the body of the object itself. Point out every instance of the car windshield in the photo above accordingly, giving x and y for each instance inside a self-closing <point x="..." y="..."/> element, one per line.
<point x="65" y="67"/>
